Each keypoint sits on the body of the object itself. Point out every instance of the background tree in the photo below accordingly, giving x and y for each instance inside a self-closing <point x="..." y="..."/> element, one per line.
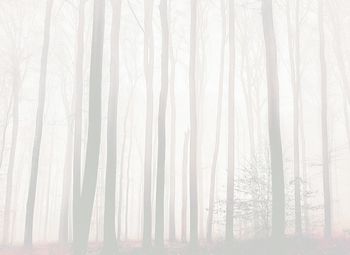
<point x="28" y="232"/>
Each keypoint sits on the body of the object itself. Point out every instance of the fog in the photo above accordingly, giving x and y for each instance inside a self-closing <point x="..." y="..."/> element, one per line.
<point x="163" y="126"/>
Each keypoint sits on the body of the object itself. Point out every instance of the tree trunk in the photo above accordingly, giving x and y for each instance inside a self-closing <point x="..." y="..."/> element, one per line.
<point x="78" y="112"/>
<point x="28" y="232"/>
<point x="66" y="186"/>
<point x="294" y="55"/>
<point x="231" y="127"/>
<point x="127" y="189"/>
<point x="9" y="177"/>
<point x="218" y="125"/>
<point x="94" y="131"/>
<point x="324" y="125"/>
<point x="172" y="176"/>
<point x="184" y="189"/>
<point x="148" y="69"/>
<point x="159" y="226"/>
<point x="193" y="125"/>
<point x="110" y="188"/>
<point x="276" y="157"/>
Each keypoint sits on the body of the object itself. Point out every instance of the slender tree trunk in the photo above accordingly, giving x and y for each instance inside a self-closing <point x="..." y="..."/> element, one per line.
<point x="63" y="234"/>
<point x="148" y="68"/>
<point x="78" y="117"/>
<point x="294" y="55"/>
<point x="127" y="189"/>
<point x="5" y="130"/>
<point x="218" y="125"/>
<point x="184" y="189"/>
<point x="28" y="232"/>
<point x="94" y="131"/>
<point x="193" y="125"/>
<point x="172" y="176"/>
<point x="48" y="187"/>
<point x="231" y="127"/>
<point x="121" y="177"/>
<point x="110" y="188"/>
<point x="278" y="197"/>
<point x="9" y="177"/>
<point x="159" y="226"/>
<point x="324" y="124"/>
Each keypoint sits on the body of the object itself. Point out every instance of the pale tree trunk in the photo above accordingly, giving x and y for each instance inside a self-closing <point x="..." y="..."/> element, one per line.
<point x="127" y="189"/>
<point x="184" y="189"/>
<point x="110" y="181"/>
<point x="231" y="127"/>
<point x="193" y="126"/>
<point x="218" y="125"/>
<point x="172" y="176"/>
<point x="14" y="135"/>
<point x="276" y="157"/>
<point x="3" y="141"/>
<point x="338" y="50"/>
<point x="294" y="56"/>
<point x="324" y="125"/>
<point x="28" y="232"/>
<point x="121" y="177"/>
<point x="148" y="69"/>
<point x="78" y="112"/>
<point x="63" y="234"/>
<point x="86" y="200"/>
<point x="48" y="187"/>
<point x="159" y="224"/>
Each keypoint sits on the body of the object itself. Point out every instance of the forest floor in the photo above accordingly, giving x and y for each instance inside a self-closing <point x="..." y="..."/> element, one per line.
<point x="252" y="247"/>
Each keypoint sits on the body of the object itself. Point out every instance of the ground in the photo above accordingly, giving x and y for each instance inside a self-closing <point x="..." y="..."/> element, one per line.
<point x="253" y="247"/>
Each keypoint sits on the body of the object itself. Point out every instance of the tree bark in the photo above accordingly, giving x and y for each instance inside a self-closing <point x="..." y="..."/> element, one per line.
<point x="294" y="55"/>
<point x="63" y="234"/>
<point x="324" y="125"/>
<point x="14" y="135"/>
<point x="172" y="176"/>
<point x="159" y="225"/>
<point x="231" y="127"/>
<point x="28" y="232"/>
<point x="184" y="189"/>
<point x="78" y="112"/>
<point x="110" y="242"/>
<point x="193" y="125"/>
<point x="276" y="157"/>
<point x="94" y="131"/>
<point x="218" y="125"/>
<point x="148" y="69"/>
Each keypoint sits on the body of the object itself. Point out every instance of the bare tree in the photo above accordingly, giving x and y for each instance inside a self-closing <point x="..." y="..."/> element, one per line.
<point x="324" y="125"/>
<point x="278" y="197"/>
<point x="184" y="189"/>
<point x="193" y="125"/>
<point x="28" y="232"/>
<point x="172" y="181"/>
<point x="218" y="124"/>
<point x="78" y="116"/>
<point x="110" y="186"/>
<point x="231" y="126"/>
<point x="159" y="224"/>
<point x="294" y="55"/>
<point x="94" y="131"/>
<point x="148" y="69"/>
<point x="14" y="135"/>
